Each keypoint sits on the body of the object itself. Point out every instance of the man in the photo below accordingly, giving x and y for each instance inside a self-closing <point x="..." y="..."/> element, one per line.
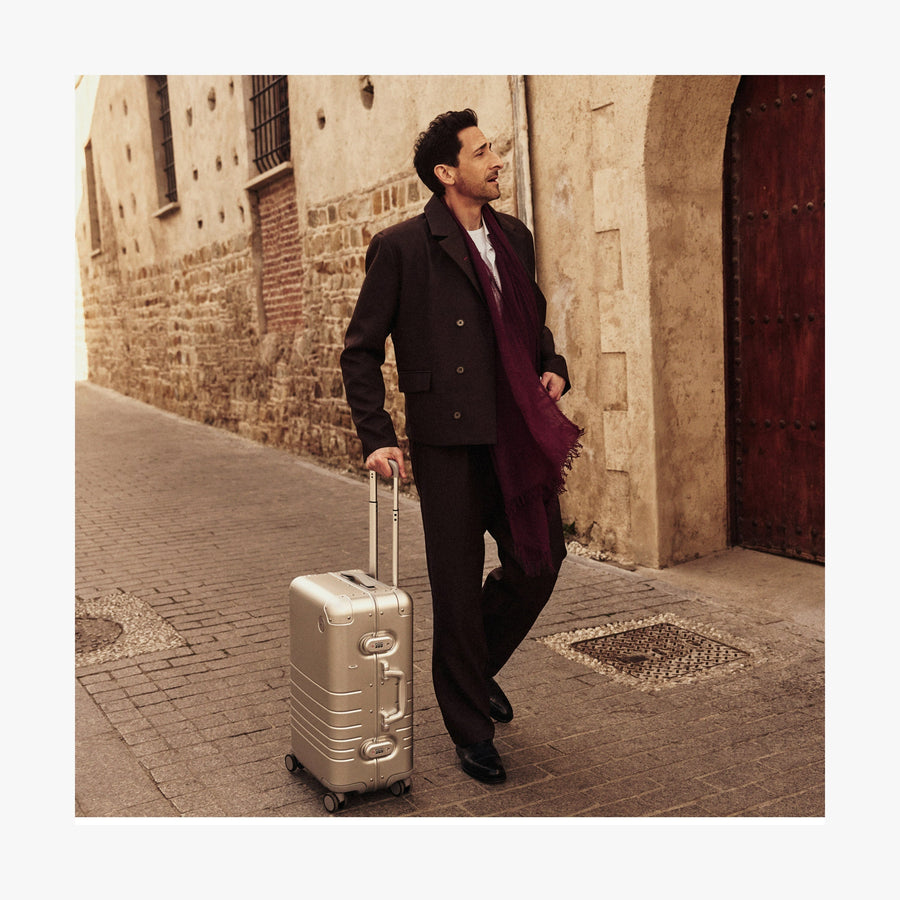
<point x="454" y="288"/>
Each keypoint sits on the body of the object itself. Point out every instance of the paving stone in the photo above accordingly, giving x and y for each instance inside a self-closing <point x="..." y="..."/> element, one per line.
<point x="209" y="529"/>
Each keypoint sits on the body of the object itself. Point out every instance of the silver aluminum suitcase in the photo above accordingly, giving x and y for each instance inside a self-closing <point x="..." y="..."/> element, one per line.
<point x="351" y="703"/>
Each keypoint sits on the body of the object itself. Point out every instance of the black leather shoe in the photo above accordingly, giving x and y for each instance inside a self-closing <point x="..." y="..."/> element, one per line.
<point x="482" y="762"/>
<point x="501" y="708"/>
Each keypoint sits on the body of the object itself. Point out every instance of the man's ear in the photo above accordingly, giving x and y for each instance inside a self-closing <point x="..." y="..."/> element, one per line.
<point x="444" y="174"/>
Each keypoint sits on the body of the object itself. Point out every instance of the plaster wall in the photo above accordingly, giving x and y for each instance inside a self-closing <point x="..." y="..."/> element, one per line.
<point x="212" y="166"/>
<point x="359" y="145"/>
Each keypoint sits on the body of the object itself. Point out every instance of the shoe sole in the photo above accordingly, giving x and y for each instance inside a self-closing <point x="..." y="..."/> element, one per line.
<point x="484" y="779"/>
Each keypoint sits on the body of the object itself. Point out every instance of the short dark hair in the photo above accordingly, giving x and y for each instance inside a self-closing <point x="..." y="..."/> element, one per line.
<point x="439" y="144"/>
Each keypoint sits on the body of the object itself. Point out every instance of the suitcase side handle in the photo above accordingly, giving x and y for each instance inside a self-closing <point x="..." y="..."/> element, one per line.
<point x="373" y="523"/>
<point x="388" y="719"/>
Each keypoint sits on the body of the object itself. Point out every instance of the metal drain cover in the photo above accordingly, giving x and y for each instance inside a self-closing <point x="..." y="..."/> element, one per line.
<point x="92" y="633"/>
<point x="653" y="652"/>
<point x="660" y="651"/>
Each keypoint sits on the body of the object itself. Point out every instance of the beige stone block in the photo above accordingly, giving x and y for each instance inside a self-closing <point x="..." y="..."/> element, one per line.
<point x="609" y="260"/>
<point x="613" y="381"/>
<point x="609" y="197"/>
<point x="614" y="319"/>
<point x="616" y="440"/>
<point x="603" y="134"/>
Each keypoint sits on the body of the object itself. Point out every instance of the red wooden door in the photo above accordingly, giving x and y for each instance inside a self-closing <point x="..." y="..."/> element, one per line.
<point x="774" y="218"/>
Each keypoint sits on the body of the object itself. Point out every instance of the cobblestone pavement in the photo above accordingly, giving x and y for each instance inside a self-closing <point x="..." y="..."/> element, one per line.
<point x="196" y="533"/>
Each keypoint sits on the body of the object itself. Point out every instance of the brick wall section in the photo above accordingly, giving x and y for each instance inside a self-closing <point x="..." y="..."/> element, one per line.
<point x="184" y="335"/>
<point x="282" y="273"/>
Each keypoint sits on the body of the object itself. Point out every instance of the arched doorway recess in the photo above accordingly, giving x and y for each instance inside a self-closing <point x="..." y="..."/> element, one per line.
<point x="683" y="151"/>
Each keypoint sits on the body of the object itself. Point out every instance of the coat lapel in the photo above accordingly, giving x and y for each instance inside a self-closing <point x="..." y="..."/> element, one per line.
<point x="443" y="226"/>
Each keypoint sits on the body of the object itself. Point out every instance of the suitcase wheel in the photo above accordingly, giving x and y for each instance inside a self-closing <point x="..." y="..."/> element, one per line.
<point x="400" y="787"/>
<point x="334" y="802"/>
<point x="292" y="764"/>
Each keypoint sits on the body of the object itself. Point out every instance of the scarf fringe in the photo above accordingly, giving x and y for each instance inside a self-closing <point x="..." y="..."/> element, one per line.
<point x="557" y="487"/>
<point x="573" y="454"/>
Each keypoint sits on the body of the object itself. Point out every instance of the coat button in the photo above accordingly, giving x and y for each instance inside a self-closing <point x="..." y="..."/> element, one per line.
<point x="460" y="323"/>
<point x="460" y="370"/>
<point x="457" y="415"/>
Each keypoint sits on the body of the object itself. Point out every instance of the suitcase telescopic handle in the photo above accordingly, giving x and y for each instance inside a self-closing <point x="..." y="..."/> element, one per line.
<point x="373" y="523"/>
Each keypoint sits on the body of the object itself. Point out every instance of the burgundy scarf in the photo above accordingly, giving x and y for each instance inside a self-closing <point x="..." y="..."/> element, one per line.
<point x="536" y="443"/>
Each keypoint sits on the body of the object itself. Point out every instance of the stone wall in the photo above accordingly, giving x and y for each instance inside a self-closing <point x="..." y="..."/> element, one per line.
<point x="628" y="231"/>
<point x="179" y="334"/>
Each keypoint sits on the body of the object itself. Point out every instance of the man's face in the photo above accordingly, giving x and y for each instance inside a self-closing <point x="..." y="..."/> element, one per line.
<point x="477" y="174"/>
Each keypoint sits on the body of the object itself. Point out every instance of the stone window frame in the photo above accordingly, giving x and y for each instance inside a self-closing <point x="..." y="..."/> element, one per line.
<point x="93" y="207"/>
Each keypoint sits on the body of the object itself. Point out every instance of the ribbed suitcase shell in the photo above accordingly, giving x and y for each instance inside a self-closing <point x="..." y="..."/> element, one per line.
<point x="351" y="705"/>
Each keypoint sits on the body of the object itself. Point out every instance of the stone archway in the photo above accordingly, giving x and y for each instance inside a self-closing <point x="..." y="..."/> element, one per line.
<point x="687" y="119"/>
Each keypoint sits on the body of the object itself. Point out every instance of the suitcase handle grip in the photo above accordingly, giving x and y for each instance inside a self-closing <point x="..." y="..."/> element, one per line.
<point x="388" y="719"/>
<point x="362" y="581"/>
<point x="373" y="522"/>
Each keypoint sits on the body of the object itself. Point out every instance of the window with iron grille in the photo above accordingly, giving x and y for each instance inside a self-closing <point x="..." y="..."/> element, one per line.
<point x="271" y="121"/>
<point x="93" y="209"/>
<point x="162" y="138"/>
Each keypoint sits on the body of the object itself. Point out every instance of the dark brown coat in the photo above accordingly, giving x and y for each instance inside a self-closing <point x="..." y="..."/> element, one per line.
<point x="422" y="290"/>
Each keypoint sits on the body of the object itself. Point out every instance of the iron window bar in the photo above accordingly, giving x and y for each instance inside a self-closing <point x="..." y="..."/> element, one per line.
<point x="271" y="121"/>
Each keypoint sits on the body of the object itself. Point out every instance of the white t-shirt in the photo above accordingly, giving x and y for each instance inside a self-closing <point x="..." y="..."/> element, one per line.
<point x="482" y="242"/>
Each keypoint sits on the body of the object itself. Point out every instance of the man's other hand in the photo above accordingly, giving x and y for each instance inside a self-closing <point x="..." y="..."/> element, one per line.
<point x="553" y="384"/>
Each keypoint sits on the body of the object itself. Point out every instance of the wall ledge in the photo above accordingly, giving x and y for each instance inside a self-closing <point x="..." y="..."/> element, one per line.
<point x="285" y="168"/>
<point x="167" y="210"/>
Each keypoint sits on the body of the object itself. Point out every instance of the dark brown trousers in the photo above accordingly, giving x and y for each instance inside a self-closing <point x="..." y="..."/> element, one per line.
<point x="478" y="622"/>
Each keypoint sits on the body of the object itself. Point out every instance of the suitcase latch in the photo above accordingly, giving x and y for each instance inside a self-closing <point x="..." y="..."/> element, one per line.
<point x="377" y="643"/>
<point x="376" y="748"/>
